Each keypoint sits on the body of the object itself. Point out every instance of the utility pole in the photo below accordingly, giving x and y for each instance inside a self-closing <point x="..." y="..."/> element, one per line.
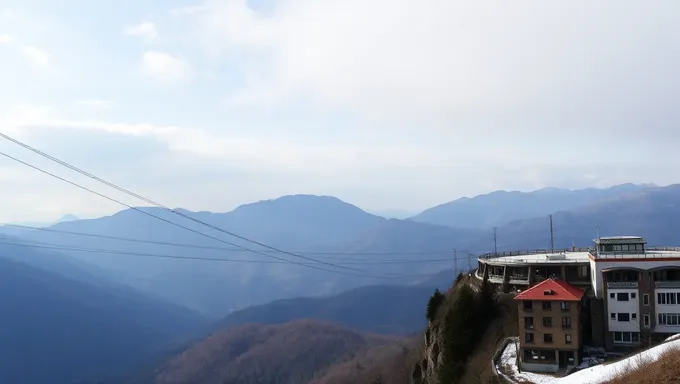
<point x="552" y="237"/>
<point x="495" y="247"/>
<point x="455" y="262"/>
<point x="469" y="261"/>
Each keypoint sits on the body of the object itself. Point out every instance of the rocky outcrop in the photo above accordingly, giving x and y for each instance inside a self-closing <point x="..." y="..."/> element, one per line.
<point x="425" y="372"/>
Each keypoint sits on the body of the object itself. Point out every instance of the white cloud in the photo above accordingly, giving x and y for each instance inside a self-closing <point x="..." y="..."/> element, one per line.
<point x="146" y="30"/>
<point x="188" y="10"/>
<point x="38" y="58"/>
<point x="164" y="67"/>
<point x="96" y="103"/>
<point x="460" y="66"/>
<point x="4" y="39"/>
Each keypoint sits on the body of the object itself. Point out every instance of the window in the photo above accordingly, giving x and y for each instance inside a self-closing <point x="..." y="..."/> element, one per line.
<point x="564" y="305"/>
<point x="529" y="322"/>
<point x="672" y="319"/>
<point x="626" y="337"/>
<point x="645" y="299"/>
<point x="612" y="295"/>
<point x="547" y="305"/>
<point x="617" y="247"/>
<point x="624" y="316"/>
<point x="645" y="320"/>
<point x="546" y="356"/>
<point x="566" y="322"/>
<point x="529" y="337"/>
<point x="547" y="338"/>
<point x="622" y="297"/>
<point x="528" y="305"/>
<point x="567" y="339"/>
<point x="668" y="298"/>
<point x="613" y="316"/>
<point x="547" y="321"/>
<point x="632" y="296"/>
<point x="633" y="316"/>
<point x="583" y="270"/>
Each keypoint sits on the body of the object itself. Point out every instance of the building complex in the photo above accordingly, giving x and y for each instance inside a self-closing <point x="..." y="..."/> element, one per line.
<point x="631" y="293"/>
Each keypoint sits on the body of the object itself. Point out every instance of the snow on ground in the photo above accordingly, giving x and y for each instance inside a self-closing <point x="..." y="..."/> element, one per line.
<point x="594" y="375"/>
<point x="674" y="337"/>
<point x="507" y="365"/>
<point x="606" y="372"/>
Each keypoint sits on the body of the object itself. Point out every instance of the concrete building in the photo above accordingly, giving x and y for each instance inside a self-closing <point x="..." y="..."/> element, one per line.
<point x="550" y="326"/>
<point x="632" y="291"/>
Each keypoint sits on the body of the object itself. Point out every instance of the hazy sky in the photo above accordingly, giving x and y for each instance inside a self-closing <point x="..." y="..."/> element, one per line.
<point x="398" y="104"/>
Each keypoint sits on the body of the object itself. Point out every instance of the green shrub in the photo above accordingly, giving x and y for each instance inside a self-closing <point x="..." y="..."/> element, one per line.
<point x="433" y="304"/>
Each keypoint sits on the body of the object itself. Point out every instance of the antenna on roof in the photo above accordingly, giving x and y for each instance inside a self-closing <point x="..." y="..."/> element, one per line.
<point x="552" y="237"/>
<point x="495" y="248"/>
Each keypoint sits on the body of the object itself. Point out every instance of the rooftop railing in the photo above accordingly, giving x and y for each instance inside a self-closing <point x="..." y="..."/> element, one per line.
<point x="493" y="255"/>
<point x="622" y="284"/>
<point x="654" y="253"/>
<point x="667" y="284"/>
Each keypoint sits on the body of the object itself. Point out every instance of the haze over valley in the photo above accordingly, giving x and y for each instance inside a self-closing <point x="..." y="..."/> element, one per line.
<point x="287" y="191"/>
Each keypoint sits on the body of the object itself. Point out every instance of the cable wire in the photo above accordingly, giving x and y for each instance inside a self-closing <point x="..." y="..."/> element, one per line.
<point x="120" y="238"/>
<point x="190" y="229"/>
<point x="126" y="191"/>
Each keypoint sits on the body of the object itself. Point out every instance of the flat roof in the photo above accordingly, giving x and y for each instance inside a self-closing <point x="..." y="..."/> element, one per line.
<point x="540" y="258"/>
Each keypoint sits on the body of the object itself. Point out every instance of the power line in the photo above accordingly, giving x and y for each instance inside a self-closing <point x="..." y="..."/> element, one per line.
<point x="120" y="238"/>
<point x="45" y="245"/>
<point x="185" y="227"/>
<point x="126" y="191"/>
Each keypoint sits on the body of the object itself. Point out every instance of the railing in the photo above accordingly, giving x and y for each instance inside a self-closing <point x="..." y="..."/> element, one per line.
<point x="654" y="254"/>
<point x="622" y="284"/>
<point x="667" y="284"/>
<point x="493" y="255"/>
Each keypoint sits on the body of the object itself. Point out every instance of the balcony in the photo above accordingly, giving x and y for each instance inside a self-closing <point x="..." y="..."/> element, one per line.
<point x="622" y="285"/>
<point x="667" y="284"/>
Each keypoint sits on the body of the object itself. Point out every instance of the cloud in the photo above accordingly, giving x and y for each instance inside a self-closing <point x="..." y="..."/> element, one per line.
<point x="164" y="67"/>
<point x="146" y="30"/>
<point x="4" y="39"/>
<point x="458" y="66"/>
<point x="96" y="103"/>
<point x="38" y="58"/>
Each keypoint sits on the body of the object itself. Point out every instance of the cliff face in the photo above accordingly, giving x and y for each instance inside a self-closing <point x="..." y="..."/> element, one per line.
<point x="460" y="339"/>
<point x="425" y="372"/>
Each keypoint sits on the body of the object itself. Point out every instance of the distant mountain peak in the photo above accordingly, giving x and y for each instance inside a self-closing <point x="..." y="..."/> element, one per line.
<point x="66" y="218"/>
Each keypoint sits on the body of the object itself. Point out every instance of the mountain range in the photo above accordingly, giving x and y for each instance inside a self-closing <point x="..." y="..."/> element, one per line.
<point x="58" y="330"/>
<point x="123" y="292"/>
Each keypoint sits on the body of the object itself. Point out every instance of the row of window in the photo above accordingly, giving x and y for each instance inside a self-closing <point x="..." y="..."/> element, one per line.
<point x="624" y="296"/>
<point x="532" y="354"/>
<point x="668" y="298"/>
<point x="547" y="322"/>
<point x="621" y="247"/>
<point x="669" y="319"/>
<point x="546" y="305"/>
<point x="547" y="338"/>
<point x="626" y="337"/>
<point x="623" y="316"/>
<point x="662" y="298"/>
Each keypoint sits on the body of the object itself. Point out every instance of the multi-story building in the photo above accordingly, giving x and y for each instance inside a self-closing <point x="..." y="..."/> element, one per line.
<point x="632" y="291"/>
<point x="638" y="288"/>
<point x="550" y="326"/>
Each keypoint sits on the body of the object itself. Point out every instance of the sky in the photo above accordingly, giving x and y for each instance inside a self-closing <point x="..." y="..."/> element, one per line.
<point x="386" y="104"/>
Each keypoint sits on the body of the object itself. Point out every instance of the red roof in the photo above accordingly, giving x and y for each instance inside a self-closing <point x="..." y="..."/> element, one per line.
<point x="560" y="291"/>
